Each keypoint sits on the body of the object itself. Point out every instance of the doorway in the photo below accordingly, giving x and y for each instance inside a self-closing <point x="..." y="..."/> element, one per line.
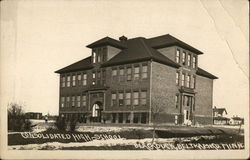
<point x="97" y="112"/>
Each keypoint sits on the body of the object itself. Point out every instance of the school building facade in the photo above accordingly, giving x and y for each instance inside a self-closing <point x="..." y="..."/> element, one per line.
<point x="137" y="80"/>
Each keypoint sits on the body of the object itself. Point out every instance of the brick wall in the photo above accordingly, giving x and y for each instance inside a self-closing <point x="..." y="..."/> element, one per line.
<point x="115" y="84"/>
<point x="204" y="98"/>
<point x="164" y="89"/>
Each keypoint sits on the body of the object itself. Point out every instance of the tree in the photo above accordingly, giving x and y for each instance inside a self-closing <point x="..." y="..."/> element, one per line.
<point x="16" y="118"/>
<point x="156" y="109"/>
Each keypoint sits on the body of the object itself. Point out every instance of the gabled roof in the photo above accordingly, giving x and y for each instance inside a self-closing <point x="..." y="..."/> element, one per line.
<point x="139" y="50"/>
<point x="220" y="110"/>
<point x="80" y="65"/>
<point x="107" y="41"/>
<point x="204" y="73"/>
<point x="168" y="40"/>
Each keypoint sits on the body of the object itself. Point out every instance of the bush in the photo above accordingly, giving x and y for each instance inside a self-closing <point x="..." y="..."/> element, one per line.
<point x="61" y="124"/>
<point x="72" y="125"/>
<point x="16" y="118"/>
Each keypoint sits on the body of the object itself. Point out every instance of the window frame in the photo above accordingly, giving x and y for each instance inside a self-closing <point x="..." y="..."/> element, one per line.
<point x="184" y="54"/>
<point x="129" y="74"/>
<point x="136" y="99"/>
<point x="194" y="61"/>
<point x="177" y="55"/>
<point x="188" y="81"/>
<point x="136" y="72"/>
<point x="143" y="99"/>
<point x="120" y="98"/>
<point x="84" y="80"/>
<point x="183" y="79"/>
<point x="63" y="81"/>
<point x="177" y="78"/>
<point x="114" y="99"/>
<point x="144" y="72"/>
<point x="177" y="100"/>
<point x="68" y="81"/>
<point x="128" y="98"/>
<point x="189" y="59"/>
<point x="62" y="102"/>
<point x="84" y="100"/>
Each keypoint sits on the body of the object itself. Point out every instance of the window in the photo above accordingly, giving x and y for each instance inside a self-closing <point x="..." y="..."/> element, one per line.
<point x="129" y="71"/>
<point x="194" y="62"/>
<point x="144" y="72"/>
<point x="121" y="101"/>
<point x="182" y="79"/>
<point x="193" y="103"/>
<point x="68" y="81"/>
<point x="98" y="77"/>
<point x="194" y="82"/>
<point x="176" y="100"/>
<point x="128" y="98"/>
<point x="114" y="72"/>
<point x="78" y="101"/>
<point x="84" y="82"/>
<point x="68" y="102"/>
<point x="188" y="81"/>
<point x="113" y="99"/>
<point x="79" y="79"/>
<point x="63" y="81"/>
<point x="121" y="74"/>
<point x="143" y="97"/>
<point x="177" y="79"/>
<point x="136" y="73"/>
<point x="94" y="56"/>
<point x="187" y="100"/>
<point x="73" y="101"/>
<point x="73" y="80"/>
<point x="62" y="101"/>
<point x="189" y="60"/>
<point x="93" y="78"/>
<point x="98" y="57"/>
<point x="84" y="100"/>
<point x="177" y="57"/>
<point x="136" y="98"/>
<point x="104" y="54"/>
<point x="183" y="57"/>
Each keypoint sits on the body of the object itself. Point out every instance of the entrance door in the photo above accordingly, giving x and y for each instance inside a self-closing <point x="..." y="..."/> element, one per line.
<point x="187" y="109"/>
<point x="186" y="116"/>
<point x="96" y="113"/>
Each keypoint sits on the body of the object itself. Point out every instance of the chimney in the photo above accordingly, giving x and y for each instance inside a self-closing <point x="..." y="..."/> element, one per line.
<point x="123" y="38"/>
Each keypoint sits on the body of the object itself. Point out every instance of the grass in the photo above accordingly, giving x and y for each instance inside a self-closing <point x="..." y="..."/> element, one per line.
<point x="129" y="133"/>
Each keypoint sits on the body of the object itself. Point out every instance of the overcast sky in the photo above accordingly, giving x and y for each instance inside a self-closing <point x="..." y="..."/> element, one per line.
<point x="40" y="37"/>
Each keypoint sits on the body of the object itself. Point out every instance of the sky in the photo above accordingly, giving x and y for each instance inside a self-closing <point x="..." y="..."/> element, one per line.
<point x="40" y="37"/>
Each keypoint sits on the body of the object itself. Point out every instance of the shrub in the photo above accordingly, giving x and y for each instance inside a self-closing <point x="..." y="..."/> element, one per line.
<point x="16" y="118"/>
<point x="72" y="125"/>
<point x="61" y="124"/>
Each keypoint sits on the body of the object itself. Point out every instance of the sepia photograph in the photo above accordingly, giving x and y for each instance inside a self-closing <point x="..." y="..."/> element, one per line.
<point x="106" y="79"/>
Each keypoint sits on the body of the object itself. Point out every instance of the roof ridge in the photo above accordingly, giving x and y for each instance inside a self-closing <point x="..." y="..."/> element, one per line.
<point x="146" y="47"/>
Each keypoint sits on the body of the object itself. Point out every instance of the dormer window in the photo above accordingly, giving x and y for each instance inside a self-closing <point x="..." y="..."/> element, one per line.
<point x="98" y="56"/>
<point x="194" y="62"/>
<point x="177" y="57"/>
<point x="94" y="57"/>
<point x="189" y="60"/>
<point x="183" y="58"/>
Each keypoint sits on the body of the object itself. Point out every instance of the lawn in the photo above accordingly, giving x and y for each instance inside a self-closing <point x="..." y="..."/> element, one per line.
<point x="114" y="137"/>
